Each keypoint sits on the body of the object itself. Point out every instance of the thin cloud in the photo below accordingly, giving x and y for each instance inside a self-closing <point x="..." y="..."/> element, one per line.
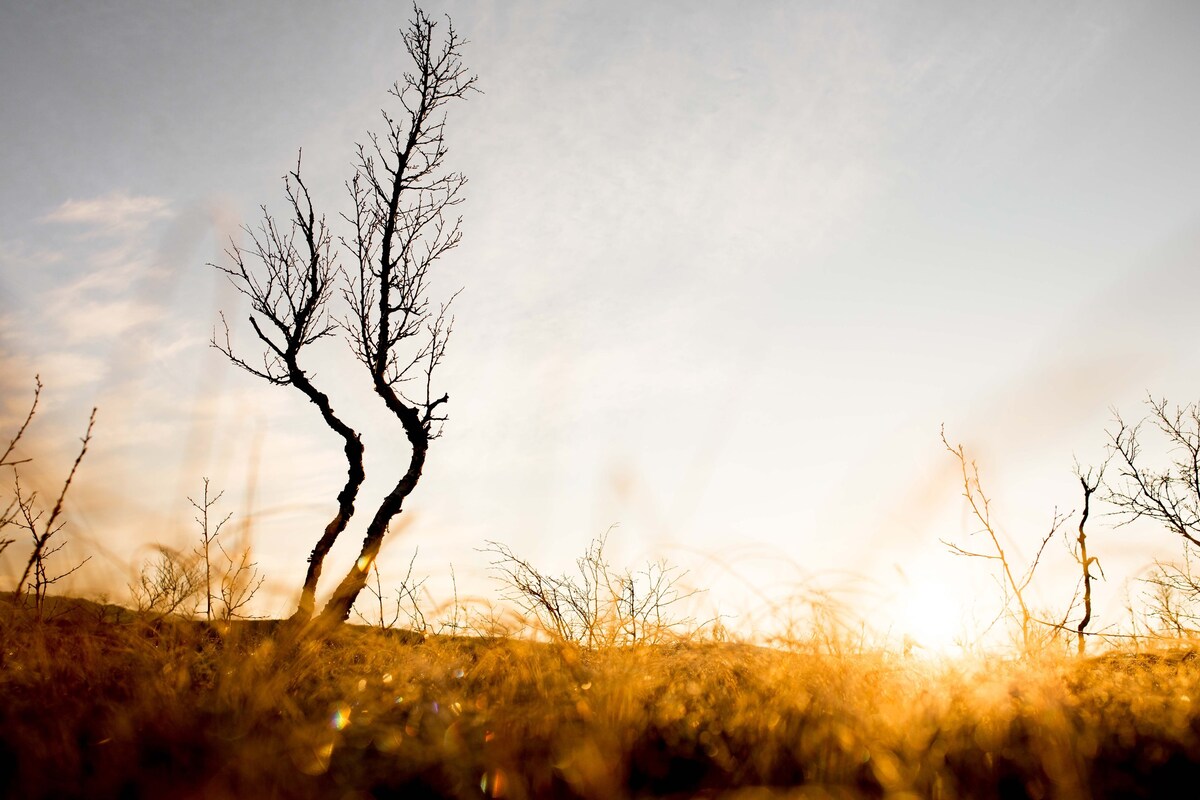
<point x="97" y="320"/>
<point x="18" y="255"/>
<point x="61" y="371"/>
<point x="117" y="212"/>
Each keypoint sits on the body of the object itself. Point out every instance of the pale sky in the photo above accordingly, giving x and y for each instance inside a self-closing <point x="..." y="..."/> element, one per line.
<point x="726" y="273"/>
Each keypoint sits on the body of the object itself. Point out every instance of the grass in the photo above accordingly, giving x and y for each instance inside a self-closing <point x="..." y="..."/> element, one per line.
<point x="100" y="703"/>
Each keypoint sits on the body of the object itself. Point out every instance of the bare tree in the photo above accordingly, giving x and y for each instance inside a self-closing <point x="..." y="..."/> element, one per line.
<point x="238" y="580"/>
<point x="208" y="537"/>
<point x="1170" y="494"/>
<point x="1012" y="586"/>
<point x="1089" y="484"/>
<point x="402" y="197"/>
<point x="171" y="580"/>
<point x="1166" y="493"/>
<point x="288" y="274"/>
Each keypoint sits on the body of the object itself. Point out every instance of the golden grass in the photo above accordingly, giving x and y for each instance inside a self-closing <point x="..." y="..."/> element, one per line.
<point x="93" y="705"/>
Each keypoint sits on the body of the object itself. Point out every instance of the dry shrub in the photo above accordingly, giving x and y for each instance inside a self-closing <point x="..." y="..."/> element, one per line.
<point x="598" y="605"/>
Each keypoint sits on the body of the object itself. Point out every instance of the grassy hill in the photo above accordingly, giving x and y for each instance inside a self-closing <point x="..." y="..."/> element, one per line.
<point x="97" y="702"/>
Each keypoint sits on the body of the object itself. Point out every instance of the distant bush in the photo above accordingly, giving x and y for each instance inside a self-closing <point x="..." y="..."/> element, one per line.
<point x="598" y="606"/>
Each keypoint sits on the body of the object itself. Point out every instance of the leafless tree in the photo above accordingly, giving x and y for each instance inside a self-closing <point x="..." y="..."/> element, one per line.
<point x="403" y="195"/>
<point x="1012" y="585"/>
<point x="1170" y="494"/>
<point x="1166" y="493"/>
<point x="288" y="273"/>
<point x="208" y="538"/>
<point x="238" y="579"/>
<point x="1089" y="484"/>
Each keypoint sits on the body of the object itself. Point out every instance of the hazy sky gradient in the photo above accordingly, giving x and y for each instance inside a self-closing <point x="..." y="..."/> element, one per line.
<point x="726" y="272"/>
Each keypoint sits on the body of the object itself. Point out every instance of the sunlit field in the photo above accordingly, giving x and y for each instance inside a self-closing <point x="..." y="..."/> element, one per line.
<point x="638" y="323"/>
<point x="99" y="702"/>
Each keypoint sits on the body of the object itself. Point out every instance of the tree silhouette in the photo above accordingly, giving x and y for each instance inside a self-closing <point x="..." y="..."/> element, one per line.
<point x="1086" y="562"/>
<point x="402" y="195"/>
<point x="290" y="284"/>
<point x="1170" y="494"/>
<point x="400" y="227"/>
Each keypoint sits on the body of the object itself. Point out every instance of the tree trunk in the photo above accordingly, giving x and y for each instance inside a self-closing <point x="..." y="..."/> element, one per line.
<point x="337" y="610"/>
<point x="355" y="475"/>
<point x="1087" y="563"/>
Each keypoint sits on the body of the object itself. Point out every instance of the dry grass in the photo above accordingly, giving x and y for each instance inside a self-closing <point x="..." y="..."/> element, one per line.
<point x="97" y="703"/>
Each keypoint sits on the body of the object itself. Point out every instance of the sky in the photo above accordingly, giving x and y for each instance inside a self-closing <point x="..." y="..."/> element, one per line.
<point x="726" y="274"/>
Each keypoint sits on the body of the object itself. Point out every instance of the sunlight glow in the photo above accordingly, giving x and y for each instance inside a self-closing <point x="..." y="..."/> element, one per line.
<point x="929" y="618"/>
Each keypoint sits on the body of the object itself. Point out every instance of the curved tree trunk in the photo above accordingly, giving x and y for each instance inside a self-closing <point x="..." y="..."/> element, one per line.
<point x="355" y="475"/>
<point x="337" y="610"/>
<point x="401" y="195"/>
<point x="1088" y="490"/>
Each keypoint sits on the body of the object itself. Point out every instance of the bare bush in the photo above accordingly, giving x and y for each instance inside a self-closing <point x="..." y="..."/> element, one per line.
<point x="12" y="512"/>
<point x="406" y="604"/>
<point x="169" y="583"/>
<point x="598" y="606"/>
<point x="211" y="577"/>
<point x="240" y="582"/>
<point x="1172" y="589"/>
<point x="23" y="511"/>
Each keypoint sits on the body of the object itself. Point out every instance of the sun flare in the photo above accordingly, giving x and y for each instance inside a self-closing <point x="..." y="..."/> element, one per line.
<point x="928" y="616"/>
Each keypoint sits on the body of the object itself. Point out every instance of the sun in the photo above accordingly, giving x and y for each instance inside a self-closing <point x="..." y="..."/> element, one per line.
<point x="928" y="617"/>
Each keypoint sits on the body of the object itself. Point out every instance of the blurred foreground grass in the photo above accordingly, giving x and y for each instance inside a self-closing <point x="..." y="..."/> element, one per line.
<point x="97" y="703"/>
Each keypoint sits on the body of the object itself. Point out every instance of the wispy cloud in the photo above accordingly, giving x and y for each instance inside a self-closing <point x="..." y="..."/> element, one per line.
<point x="96" y="320"/>
<point x="117" y="212"/>
<point x="17" y="255"/>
